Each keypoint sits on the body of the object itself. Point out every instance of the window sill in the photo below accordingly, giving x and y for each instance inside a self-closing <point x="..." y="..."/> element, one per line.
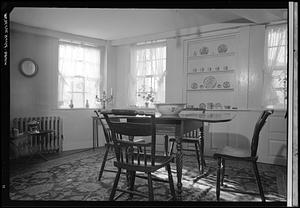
<point x="74" y="109"/>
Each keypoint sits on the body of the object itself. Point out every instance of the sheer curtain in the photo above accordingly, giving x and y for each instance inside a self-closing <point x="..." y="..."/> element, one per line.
<point x="147" y="75"/>
<point x="275" y="65"/>
<point x="78" y="75"/>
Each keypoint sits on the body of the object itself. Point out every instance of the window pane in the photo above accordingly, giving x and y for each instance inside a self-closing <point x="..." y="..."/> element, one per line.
<point x="140" y="84"/>
<point x="78" y="84"/>
<point x="148" y="84"/>
<point x="277" y="56"/>
<point x="277" y="35"/>
<point x="78" y="100"/>
<point x="92" y="89"/>
<point x="278" y="78"/>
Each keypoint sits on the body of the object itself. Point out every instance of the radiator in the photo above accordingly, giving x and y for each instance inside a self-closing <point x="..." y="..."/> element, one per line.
<point x="51" y="143"/>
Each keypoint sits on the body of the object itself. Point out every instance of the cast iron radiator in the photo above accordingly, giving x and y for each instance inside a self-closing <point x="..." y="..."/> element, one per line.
<point x="48" y="144"/>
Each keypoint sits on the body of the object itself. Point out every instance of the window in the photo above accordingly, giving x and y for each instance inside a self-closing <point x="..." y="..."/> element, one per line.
<point x="275" y="73"/>
<point x="78" y="75"/>
<point x="150" y="68"/>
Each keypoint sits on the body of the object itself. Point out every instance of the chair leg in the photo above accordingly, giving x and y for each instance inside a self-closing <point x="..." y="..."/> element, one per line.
<point x="197" y="147"/>
<point x="132" y="180"/>
<point x="171" y="149"/>
<point x="261" y="192"/>
<point x="218" y="180"/>
<point x="103" y="162"/>
<point x="166" y="145"/>
<point x="223" y="171"/>
<point x="114" y="188"/>
<point x="150" y="187"/>
<point x="171" y="183"/>
<point x="203" y="163"/>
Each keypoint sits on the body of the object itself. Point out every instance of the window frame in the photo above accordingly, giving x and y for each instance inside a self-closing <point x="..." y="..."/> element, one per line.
<point x="102" y="74"/>
<point x="153" y="88"/>
<point x="278" y="68"/>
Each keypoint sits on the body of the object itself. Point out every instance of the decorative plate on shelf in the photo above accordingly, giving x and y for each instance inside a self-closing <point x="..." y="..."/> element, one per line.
<point x="226" y="84"/>
<point x="225" y="68"/>
<point x="222" y="48"/>
<point x="202" y="106"/>
<point x="218" y="105"/>
<point x="194" y="85"/>
<point x="210" y="82"/>
<point x="203" y="50"/>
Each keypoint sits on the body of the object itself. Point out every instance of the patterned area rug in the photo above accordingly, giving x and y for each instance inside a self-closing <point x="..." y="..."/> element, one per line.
<point x="74" y="178"/>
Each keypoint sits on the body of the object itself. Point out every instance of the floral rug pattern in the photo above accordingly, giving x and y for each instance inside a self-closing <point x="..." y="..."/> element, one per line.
<point x="74" y="178"/>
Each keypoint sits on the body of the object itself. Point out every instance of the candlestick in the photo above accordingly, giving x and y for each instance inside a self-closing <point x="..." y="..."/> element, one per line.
<point x="104" y="99"/>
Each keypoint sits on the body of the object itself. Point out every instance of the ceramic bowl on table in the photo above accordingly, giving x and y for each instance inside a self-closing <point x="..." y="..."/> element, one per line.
<point x="169" y="109"/>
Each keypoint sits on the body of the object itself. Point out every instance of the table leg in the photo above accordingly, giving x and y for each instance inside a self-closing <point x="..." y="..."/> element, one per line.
<point x="95" y="132"/>
<point x="204" y="173"/>
<point x="37" y="146"/>
<point x="203" y="164"/>
<point x="179" y="167"/>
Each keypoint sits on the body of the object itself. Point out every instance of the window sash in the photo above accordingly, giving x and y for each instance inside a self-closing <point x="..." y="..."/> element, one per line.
<point x="150" y="63"/>
<point x="79" y="75"/>
<point x="275" y="66"/>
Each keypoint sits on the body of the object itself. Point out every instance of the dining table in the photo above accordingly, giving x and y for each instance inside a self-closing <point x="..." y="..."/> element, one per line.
<point x="178" y="126"/>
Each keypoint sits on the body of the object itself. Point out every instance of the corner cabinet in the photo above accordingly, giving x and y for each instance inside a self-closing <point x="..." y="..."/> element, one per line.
<point x="210" y="71"/>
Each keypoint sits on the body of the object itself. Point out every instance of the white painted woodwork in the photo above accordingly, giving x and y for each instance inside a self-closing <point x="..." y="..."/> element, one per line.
<point x="256" y="66"/>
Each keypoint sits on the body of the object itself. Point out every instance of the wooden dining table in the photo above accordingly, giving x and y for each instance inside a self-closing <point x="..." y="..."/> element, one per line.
<point x="180" y="125"/>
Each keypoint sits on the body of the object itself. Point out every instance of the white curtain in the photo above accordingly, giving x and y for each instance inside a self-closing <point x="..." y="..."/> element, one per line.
<point x="148" y="60"/>
<point x="79" y="67"/>
<point x="275" y="60"/>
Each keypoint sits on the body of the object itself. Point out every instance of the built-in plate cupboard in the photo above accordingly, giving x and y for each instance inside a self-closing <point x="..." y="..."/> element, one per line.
<point x="218" y="72"/>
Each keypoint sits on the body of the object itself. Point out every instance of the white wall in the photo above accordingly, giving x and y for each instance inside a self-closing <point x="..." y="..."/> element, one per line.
<point x="175" y="76"/>
<point x="122" y="71"/>
<point x="36" y="96"/>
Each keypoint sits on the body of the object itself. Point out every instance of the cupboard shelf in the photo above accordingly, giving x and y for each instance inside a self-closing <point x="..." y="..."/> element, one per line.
<point x="211" y="55"/>
<point x="211" y="89"/>
<point x="204" y="72"/>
